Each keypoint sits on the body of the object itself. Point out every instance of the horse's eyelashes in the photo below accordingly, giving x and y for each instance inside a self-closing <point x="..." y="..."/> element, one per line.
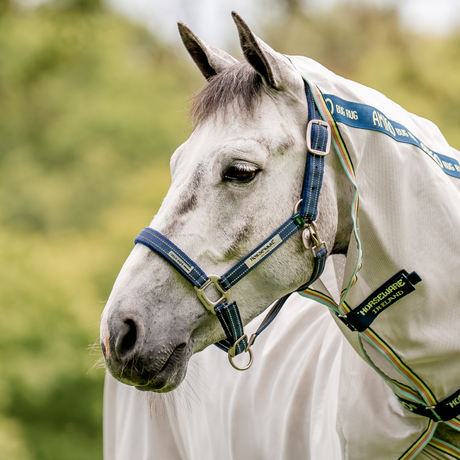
<point x="241" y="173"/>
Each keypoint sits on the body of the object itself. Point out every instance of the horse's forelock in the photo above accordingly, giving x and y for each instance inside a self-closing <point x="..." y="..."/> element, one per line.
<point x="238" y="84"/>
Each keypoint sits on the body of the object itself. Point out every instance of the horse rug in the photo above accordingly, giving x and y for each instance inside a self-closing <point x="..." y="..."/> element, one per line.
<point x="407" y="216"/>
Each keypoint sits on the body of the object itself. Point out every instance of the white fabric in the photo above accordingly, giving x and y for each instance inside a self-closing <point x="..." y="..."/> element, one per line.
<point x="308" y="396"/>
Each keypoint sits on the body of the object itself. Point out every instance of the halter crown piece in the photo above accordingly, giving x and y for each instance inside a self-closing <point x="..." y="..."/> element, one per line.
<point x="304" y="218"/>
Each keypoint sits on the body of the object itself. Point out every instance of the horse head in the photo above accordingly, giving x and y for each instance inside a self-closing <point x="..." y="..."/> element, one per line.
<point x="234" y="181"/>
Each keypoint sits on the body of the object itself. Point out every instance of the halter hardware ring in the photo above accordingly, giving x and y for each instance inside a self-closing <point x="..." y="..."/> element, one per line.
<point x="232" y="354"/>
<point x="326" y="125"/>
<point x="201" y="294"/>
<point x="297" y="207"/>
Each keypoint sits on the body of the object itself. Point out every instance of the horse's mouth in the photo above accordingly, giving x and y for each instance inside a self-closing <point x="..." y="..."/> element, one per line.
<point x="170" y="374"/>
<point x="141" y="375"/>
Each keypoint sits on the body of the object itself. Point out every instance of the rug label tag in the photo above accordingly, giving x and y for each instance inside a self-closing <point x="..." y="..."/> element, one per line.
<point x="386" y="295"/>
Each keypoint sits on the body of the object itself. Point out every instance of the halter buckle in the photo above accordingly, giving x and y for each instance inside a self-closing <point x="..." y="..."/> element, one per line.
<point x="204" y="299"/>
<point x="326" y="125"/>
<point x="311" y="239"/>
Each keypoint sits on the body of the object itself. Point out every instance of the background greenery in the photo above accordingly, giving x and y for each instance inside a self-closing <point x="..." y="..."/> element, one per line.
<point x="91" y="108"/>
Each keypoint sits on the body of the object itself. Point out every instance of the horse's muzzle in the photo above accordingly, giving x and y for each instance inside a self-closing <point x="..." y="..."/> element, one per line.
<point x="139" y="357"/>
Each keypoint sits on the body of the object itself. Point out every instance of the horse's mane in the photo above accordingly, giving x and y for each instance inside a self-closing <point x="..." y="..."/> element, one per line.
<point x="238" y="84"/>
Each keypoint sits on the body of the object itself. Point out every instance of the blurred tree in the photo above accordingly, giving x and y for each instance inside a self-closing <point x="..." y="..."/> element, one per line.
<point x="88" y="103"/>
<point x="294" y="7"/>
<point x="79" y="6"/>
<point x="88" y="99"/>
<point x="4" y="7"/>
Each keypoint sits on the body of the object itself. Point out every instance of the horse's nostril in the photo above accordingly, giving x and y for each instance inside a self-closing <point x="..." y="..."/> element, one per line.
<point x="127" y="339"/>
<point x="181" y="346"/>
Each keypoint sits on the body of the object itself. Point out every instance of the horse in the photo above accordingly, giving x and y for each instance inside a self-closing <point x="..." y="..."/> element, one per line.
<point x="294" y="180"/>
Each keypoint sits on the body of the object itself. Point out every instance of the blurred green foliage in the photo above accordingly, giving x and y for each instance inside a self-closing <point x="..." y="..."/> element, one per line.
<point x="91" y="107"/>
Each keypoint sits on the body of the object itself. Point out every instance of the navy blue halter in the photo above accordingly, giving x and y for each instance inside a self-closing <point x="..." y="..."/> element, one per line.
<point x="236" y="342"/>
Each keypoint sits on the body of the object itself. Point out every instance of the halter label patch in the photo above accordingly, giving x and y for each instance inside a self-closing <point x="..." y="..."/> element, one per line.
<point x="186" y="267"/>
<point x="386" y="295"/>
<point x="264" y="251"/>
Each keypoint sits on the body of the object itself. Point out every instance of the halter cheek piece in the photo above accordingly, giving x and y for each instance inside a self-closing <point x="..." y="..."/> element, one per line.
<point x="304" y="217"/>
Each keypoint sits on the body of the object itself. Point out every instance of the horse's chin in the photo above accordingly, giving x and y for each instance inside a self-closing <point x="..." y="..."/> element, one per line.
<point x="144" y="378"/>
<point x="165" y="381"/>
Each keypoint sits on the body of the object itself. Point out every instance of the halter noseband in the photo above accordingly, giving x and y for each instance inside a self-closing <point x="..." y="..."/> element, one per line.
<point x="304" y="218"/>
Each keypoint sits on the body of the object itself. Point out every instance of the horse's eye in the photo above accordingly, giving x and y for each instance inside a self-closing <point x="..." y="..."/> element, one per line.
<point x="241" y="172"/>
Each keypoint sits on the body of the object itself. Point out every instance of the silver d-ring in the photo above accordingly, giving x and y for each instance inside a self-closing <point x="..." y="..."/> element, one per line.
<point x="297" y="206"/>
<point x="231" y="354"/>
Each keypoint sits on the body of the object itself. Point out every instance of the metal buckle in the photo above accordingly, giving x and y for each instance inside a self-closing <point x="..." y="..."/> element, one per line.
<point x="306" y="238"/>
<point x="310" y="234"/>
<point x="201" y="294"/>
<point x="232" y="352"/>
<point x="329" y="136"/>
<point x="313" y="236"/>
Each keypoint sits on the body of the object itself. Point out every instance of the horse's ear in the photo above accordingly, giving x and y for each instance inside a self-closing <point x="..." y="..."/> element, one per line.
<point x="209" y="59"/>
<point x="269" y="64"/>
